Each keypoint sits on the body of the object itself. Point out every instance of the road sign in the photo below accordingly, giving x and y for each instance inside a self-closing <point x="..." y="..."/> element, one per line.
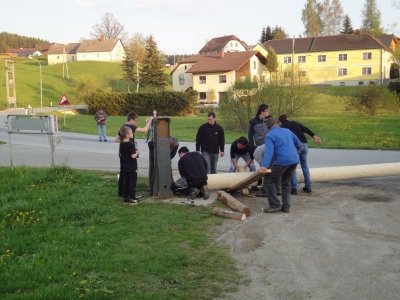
<point x="64" y="100"/>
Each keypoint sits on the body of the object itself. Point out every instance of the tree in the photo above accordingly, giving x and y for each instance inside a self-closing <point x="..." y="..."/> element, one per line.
<point x="272" y="61"/>
<point x="311" y="18"/>
<point x="262" y="39"/>
<point x="371" y="18"/>
<point x="396" y="4"/>
<point x="129" y="67"/>
<point x="278" y="33"/>
<point x="136" y="46"/>
<point x="268" y="33"/>
<point x="152" y="71"/>
<point x="347" y="28"/>
<point x="331" y="17"/>
<point x="109" y="28"/>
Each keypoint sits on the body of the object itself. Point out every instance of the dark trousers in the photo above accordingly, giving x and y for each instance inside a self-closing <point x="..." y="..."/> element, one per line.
<point x="282" y="173"/>
<point x="129" y="180"/>
<point x="151" y="167"/>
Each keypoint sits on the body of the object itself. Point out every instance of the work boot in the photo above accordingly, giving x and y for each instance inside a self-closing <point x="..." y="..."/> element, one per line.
<point x="206" y="193"/>
<point x="193" y="193"/>
<point x="293" y="192"/>
<point x="307" y="190"/>
<point x="261" y="194"/>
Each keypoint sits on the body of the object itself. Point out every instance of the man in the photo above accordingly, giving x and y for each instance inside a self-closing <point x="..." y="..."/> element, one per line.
<point x="240" y="148"/>
<point x="210" y="141"/>
<point x="256" y="134"/>
<point x="281" y="156"/>
<point x="131" y="123"/>
<point x="193" y="168"/>
<point x="299" y="130"/>
<point x="101" y="117"/>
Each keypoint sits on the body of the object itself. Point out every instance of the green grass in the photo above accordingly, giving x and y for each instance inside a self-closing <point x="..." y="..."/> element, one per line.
<point x="64" y="235"/>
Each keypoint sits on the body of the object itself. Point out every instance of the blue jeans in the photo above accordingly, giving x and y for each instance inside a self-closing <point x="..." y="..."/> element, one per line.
<point x="211" y="160"/>
<point x="101" y="129"/>
<point x="304" y="167"/>
<point x="245" y="157"/>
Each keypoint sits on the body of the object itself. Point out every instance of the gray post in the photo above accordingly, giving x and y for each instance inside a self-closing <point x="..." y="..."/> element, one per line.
<point x="162" y="159"/>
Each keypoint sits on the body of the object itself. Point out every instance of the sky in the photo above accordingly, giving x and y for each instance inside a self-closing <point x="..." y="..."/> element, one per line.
<point x="178" y="26"/>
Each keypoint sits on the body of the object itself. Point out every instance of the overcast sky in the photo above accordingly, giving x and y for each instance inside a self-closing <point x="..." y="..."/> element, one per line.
<point x="178" y="26"/>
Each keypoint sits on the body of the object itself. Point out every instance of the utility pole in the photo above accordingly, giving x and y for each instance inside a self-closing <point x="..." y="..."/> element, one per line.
<point x="10" y="84"/>
<point x="65" y="63"/>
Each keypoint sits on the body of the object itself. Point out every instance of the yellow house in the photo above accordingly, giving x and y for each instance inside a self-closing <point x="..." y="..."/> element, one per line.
<point x="348" y="59"/>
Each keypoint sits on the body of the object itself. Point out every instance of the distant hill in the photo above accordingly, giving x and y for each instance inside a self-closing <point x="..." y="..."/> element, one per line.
<point x="12" y="40"/>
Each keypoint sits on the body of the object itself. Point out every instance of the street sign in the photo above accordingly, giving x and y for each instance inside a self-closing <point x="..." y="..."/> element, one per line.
<point x="64" y="100"/>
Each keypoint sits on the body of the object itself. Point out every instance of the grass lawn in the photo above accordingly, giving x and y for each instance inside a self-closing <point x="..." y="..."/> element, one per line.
<point x="65" y="235"/>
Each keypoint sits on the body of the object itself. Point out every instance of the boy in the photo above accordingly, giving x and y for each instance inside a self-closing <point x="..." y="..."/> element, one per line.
<point x="127" y="155"/>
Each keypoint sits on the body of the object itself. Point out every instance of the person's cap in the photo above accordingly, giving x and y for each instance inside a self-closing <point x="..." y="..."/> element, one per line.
<point x="282" y="118"/>
<point x="270" y="122"/>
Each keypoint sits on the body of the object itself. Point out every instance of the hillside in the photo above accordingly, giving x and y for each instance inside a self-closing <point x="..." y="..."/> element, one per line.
<point x="100" y="75"/>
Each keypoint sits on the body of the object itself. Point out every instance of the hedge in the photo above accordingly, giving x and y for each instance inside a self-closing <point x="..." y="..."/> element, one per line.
<point x="166" y="103"/>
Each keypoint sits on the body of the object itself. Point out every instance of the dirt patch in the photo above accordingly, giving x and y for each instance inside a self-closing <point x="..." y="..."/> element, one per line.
<point x="340" y="242"/>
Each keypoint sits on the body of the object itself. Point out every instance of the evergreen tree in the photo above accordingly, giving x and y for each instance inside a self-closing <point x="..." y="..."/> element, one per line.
<point x="331" y="17"/>
<point x="129" y="67"/>
<point x="371" y="18"/>
<point x="152" y="71"/>
<point x="311" y="17"/>
<point x="268" y="34"/>
<point x="262" y="39"/>
<point x="347" y="28"/>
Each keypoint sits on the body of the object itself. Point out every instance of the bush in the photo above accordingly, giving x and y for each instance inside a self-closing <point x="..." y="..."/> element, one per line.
<point x="166" y="103"/>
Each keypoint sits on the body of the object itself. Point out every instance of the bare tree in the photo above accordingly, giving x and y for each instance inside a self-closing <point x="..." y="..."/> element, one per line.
<point x="331" y="17"/>
<point x="136" y="48"/>
<point x="311" y="17"/>
<point x="109" y="28"/>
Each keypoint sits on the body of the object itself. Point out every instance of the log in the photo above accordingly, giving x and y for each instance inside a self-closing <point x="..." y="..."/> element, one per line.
<point x="228" y="214"/>
<point x="232" y="203"/>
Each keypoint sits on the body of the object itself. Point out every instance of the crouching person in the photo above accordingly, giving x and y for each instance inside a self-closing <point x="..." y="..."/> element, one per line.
<point x="193" y="168"/>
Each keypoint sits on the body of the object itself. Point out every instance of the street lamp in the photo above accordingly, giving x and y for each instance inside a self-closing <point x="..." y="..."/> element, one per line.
<point x="41" y="83"/>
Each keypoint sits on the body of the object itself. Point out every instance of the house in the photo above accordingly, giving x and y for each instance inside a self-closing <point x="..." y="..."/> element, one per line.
<point x="347" y="59"/>
<point x="229" y="43"/>
<point x="212" y="75"/>
<point x="109" y="50"/>
<point x="24" y="52"/>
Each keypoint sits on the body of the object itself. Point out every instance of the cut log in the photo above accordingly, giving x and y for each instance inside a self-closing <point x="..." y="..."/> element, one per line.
<point x="234" y="204"/>
<point x="228" y="214"/>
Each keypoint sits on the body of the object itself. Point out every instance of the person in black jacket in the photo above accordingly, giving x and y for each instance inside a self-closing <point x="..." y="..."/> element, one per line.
<point x="299" y="130"/>
<point x="240" y="148"/>
<point x="193" y="168"/>
<point x="257" y="126"/>
<point x="210" y="141"/>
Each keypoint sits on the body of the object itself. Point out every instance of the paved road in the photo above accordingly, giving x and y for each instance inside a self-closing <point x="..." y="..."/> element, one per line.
<point x="83" y="151"/>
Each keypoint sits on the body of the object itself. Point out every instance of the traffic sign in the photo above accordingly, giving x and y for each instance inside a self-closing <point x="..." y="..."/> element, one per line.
<point x="64" y="100"/>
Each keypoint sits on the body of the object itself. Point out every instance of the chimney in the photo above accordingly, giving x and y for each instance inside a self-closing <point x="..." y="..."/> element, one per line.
<point x="101" y="38"/>
<point x="222" y="53"/>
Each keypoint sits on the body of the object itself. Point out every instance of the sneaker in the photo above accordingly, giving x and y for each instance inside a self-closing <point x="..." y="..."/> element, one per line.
<point x="307" y="190"/>
<point x="261" y="194"/>
<point x="206" y="193"/>
<point x="138" y="196"/>
<point x="131" y="201"/>
<point x="193" y="193"/>
<point x="254" y="189"/>
<point x="271" y="210"/>
<point x="293" y="192"/>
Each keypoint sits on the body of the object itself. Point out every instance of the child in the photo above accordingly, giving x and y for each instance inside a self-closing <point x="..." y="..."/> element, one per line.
<point x="127" y="155"/>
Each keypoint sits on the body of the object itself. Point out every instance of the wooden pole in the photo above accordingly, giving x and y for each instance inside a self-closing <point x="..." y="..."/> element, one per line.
<point x="228" y="214"/>
<point x="234" y="204"/>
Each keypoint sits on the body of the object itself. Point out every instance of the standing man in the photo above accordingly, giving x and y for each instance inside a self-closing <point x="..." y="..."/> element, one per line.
<point x="101" y="117"/>
<point x="281" y="156"/>
<point x="256" y="134"/>
<point x="210" y="141"/>
<point x="242" y="149"/>
<point x="193" y="167"/>
<point x="299" y="130"/>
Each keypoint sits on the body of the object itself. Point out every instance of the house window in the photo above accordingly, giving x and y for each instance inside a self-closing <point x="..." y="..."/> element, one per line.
<point x="202" y="80"/>
<point x="366" y="71"/>
<point x="181" y="79"/>
<point x="367" y="55"/>
<point x="58" y="57"/>
<point x="321" y="58"/>
<point x="361" y="83"/>
<point x="202" y="96"/>
<point x="342" y="57"/>
<point x="287" y="60"/>
<point x="342" y="83"/>
<point x="372" y="83"/>
<point x="98" y="54"/>
<point x="342" y="72"/>
<point x="302" y="59"/>
<point x="222" y="78"/>
<point x="287" y="74"/>
<point x="186" y="67"/>
<point x="302" y="73"/>
<point x="254" y="65"/>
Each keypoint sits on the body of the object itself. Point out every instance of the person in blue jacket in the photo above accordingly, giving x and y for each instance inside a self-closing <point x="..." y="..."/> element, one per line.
<point x="281" y="156"/>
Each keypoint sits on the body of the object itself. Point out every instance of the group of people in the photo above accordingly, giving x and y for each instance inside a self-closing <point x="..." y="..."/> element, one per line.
<point x="278" y="149"/>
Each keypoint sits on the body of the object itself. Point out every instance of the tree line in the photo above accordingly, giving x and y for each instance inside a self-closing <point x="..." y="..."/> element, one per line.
<point x="12" y="41"/>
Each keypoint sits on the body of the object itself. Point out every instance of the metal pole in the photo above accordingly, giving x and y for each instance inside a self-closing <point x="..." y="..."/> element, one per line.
<point x="41" y="87"/>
